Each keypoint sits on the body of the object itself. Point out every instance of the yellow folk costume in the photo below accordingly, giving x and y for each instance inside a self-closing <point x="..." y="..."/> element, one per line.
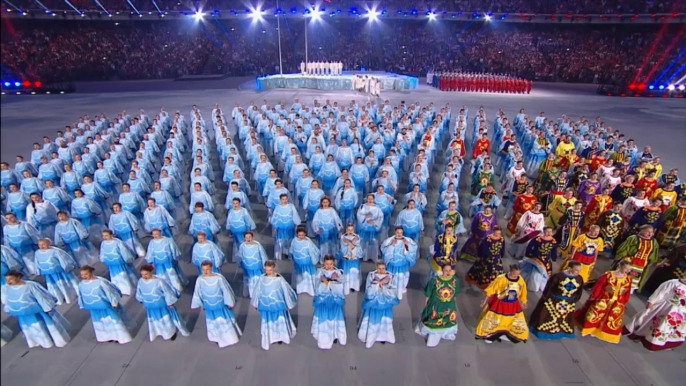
<point x="557" y="209"/>
<point x="587" y="250"/>
<point x="503" y="314"/>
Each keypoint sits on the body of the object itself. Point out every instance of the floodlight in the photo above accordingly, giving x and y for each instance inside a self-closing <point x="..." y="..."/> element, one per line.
<point x="682" y="87"/>
<point x="256" y="14"/>
<point x="487" y="17"/>
<point x="432" y="16"/>
<point x="316" y="14"/>
<point x="198" y="15"/>
<point x="373" y="14"/>
<point x="671" y="87"/>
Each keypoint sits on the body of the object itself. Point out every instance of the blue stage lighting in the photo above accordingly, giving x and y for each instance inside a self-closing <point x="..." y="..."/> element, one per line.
<point x="7" y="84"/>
<point x="651" y="87"/>
<point x="17" y="84"/>
<point x="661" y="87"/>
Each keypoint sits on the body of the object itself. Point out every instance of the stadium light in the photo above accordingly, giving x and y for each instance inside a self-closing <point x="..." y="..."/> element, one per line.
<point x="198" y="15"/>
<point x="256" y="14"/>
<point x="661" y="87"/>
<point x="487" y="17"/>
<point x="373" y="14"/>
<point x="316" y="14"/>
<point x="682" y="87"/>
<point x="671" y="87"/>
<point x="432" y="15"/>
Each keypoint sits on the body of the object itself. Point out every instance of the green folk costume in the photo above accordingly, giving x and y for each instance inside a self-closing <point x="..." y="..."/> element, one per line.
<point x="440" y="312"/>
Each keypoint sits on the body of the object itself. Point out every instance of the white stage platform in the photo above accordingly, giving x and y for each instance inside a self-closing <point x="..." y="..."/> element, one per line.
<point x="389" y="81"/>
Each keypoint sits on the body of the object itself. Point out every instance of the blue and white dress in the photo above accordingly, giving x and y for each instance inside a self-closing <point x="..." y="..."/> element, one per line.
<point x="73" y="237"/>
<point x="399" y="255"/>
<point x="58" y="197"/>
<point x="252" y="257"/>
<point x="103" y="300"/>
<point x="10" y="261"/>
<point x="17" y="203"/>
<point x="133" y="203"/>
<point x="328" y="323"/>
<point x="349" y="259"/>
<point x="412" y="222"/>
<point x="206" y="222"/>
<point x="284" y="219"/>
<point x="158" y="217"/>
<point x="89" y="213"/>
<point x="345" y="201"/>
<point x="127" y="227"/>
<point x="327" y="227"/>
<point x="238" y="222"/>
<point x="273" y="297"/>
<point x="370" y="219"/>
<point x="158" y="298"/>
<point x="119" y="261"/>
<point x="44" y="217"/>
<point x="207" y="251"/>
<point x="305" y="257"/>
<point x="23" y="238"/>
<point x="214" y="294"/>
<point x="164" y="254"/>
<point x="376" y="324"/>
<point x="56" y="265"/>
<point x="35" y="309"/>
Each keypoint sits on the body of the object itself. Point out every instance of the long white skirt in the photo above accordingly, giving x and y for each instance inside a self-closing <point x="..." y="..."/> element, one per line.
<point x="276" y="326"/>
<point x="376" y="326"/>
<point x="433" y="337"/>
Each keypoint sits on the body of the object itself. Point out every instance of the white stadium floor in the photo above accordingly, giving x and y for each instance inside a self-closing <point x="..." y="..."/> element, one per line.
<point x="195" y="361"/>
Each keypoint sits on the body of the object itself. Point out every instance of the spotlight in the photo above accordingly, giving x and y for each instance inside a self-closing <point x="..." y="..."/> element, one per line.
<point x="632" y="86"/>
<point x="373" y="15"/>
<point x="316" y="14"/>
<point x="17" y="84"/>
<point x="432" y="16"/>
<point x="198" y="15"/>
<point x="649" y="87"/>
<point x="671" y="87"/>
<point x="661" y="87"/>
<point x="488" y="17"/>
<point x="682" y="87"/>
<point x="256" y="14"/>
<point x="7" y="84"/>
<point x="38" y="84"/>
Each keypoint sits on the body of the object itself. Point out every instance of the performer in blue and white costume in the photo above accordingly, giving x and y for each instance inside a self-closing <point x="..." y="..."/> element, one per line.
<point x="214" y="294"/>
<point x="159" y="300"/>
<point x="57" y="195"/>
<point x="23" y="238"/>
<point x="203" y="221"/>
<point x="71" y="235"/>
<point x="327" y="226"/>
<point x="156" y="217"/>
<point x="238" y="222"/>
<point x="132" y="202"/>
<point x="380" y="296"/>
<point x="206" y="250"/>
<point x="345" y="201"/>
<point x="36" y="312"/>
<point x="88" y="212"/>
<point x="349" y="258"/>
<point x="127" y="229"/>
<point x="119" y="261"/>
<point x="164" y="254"/>
<point x="252" y="257"/>
<point x="400" y="254"/>
<point x="273" y="297"/>
<point x="56" y="265"/>
<point x="103" y="300"/>
<point x="312" y="202"/>
<point x="10" y="261"/>
<point x="42" y="215"/>
<point x="411" y="220"/>
<point x="305" y="255"/>
<point x="284" y="219"/>
<point x="328" y="323"/>
<point x="370" y="219"/>
<point x="17" y="201"/>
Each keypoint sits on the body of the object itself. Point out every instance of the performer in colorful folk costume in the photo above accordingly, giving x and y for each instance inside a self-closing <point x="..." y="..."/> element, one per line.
<point x="537" y="265"/>
<point x="589" y="188"/>
<point x="529" y="226"/>
<point x="597" y="206"/>
<point x="648" y="183"/>
<point x="673" y="224"/>
<point x="482" y="226"/>
<point x="662" y="325"/>
<point x="489" y="264"/>
<point x="552" y="318"/>
<point x="611" y="224"/>
<point x="503" y="309"/>
<point x="546" y="166"/>
<point x="673" y="266"/>
<point x="640" y="250"/>
<point x="667" y="195"/>
<point x="439" y="317"/>
<point x="522" y="204"/>
<point x="585" y="249"/>
<point x="566" y="153"/>
<point x="483" y="144"/>
<point x="551" y="188"/>
<point x="444" y="251"/>
<point x="602" y="314"/>
<point x="482" y="179"/>
<point x="558" y="208"/>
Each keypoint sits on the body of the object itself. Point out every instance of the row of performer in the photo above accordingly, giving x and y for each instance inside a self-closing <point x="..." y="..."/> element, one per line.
<point x="455" y="81"/>
<point x="321" y="68"/>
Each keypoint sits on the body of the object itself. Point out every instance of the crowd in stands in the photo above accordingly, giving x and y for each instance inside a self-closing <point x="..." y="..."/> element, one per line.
<point x="150" y="50"/>
<point x="527" y="6"/>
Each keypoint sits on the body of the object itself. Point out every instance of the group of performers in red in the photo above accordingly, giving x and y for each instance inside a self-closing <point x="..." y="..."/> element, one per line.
<point x="460" y="81"/>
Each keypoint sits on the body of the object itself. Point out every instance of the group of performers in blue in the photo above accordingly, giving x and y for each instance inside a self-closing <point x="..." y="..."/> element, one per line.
<point x="329" y="176"/>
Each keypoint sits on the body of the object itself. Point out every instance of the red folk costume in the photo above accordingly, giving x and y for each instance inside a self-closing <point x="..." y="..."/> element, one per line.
<point x="649" y="185"/>
<point x="599" y="204"/>
<point x="458" y="147"/>
<point x="522" y="204"/>
<point x="603" y="312"/>
<point x="481" y="145"/>
<point x="596" y="161"/>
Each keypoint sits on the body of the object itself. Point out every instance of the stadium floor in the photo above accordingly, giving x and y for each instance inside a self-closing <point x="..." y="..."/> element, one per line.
<point x="195" y="361"/>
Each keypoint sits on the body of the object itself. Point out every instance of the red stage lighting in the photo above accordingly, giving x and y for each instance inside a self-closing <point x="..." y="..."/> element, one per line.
<point x="642" y="86"/>
<point x="26" y="83"/>
<point x="622" y="94"/>
<point x="38" y="83"/>
<point x="632" y="86"/>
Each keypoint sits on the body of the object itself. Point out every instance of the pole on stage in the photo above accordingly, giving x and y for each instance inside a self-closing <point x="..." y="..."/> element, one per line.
<point x="306" y="22"/>
<point x="278" y="28"/>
